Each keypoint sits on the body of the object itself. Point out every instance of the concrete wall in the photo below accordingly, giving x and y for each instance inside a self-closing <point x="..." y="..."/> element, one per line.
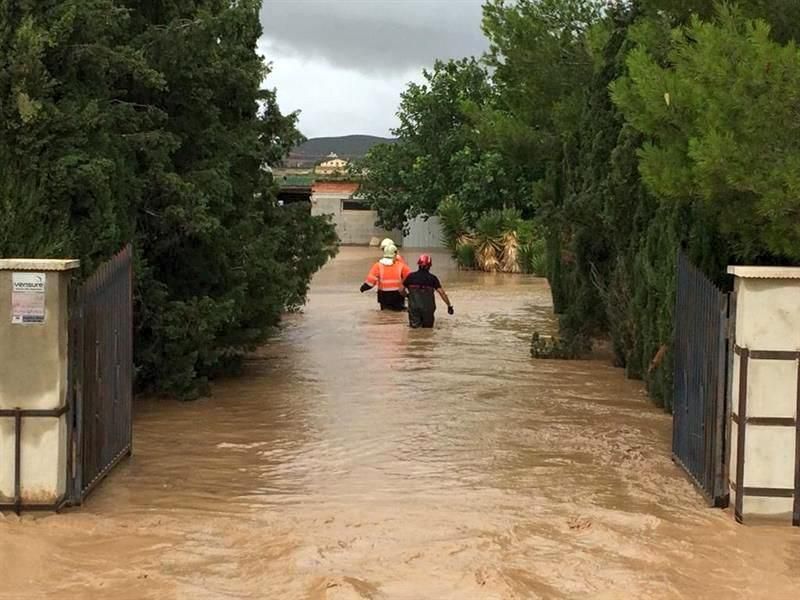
<point x="424" y="233"/>
<point x="355" y="227"/>
<point x="33" y="375"/>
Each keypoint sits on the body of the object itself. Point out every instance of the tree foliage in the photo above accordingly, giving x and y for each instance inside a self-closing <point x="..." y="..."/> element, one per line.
<point x="631" y="130"/>
<point x="438" y="153"/>
<point x="541" y="62"/>
<point x="147" y="123"/>
<point x="721" y="126"/>
<point x="695" y="149"/>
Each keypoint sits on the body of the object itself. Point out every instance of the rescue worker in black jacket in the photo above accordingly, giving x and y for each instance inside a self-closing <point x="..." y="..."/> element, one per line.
<point x="420" y="287"/>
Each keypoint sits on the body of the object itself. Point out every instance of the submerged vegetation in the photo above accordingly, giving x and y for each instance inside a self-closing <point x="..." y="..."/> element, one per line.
<point x="569" y="346"/>
<point x="501" y="240"/>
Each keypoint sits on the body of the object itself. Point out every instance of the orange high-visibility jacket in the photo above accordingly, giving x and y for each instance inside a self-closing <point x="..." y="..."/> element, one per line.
<point x="388" y="279"/>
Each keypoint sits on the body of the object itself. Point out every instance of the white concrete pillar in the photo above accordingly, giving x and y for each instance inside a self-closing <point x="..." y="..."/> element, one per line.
<point x="765" y="394"/>
<point x="34" y="317"/>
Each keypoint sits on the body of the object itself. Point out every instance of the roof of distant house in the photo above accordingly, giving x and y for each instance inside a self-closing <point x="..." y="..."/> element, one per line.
<point x="346" y="147"/>
<point x="295" y="180"/>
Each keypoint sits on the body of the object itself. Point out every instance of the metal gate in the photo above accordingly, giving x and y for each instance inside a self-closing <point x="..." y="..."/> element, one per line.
<point x="700" y="404"/>
<point x="101" y="373"/>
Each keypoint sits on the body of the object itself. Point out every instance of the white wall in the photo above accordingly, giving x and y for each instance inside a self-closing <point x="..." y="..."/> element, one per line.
<point x="424" y="233"/>
<point x="355" y="227"/>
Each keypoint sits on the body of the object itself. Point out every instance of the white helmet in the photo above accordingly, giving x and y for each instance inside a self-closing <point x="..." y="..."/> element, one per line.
<point x="389" y="255"/>
<point x="387" y="242"/>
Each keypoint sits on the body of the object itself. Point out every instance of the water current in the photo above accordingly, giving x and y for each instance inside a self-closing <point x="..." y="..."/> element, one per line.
<point x="358" y="459"/>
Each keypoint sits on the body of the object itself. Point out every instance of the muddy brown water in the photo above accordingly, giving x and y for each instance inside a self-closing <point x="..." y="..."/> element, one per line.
<point x="359" y="459"/>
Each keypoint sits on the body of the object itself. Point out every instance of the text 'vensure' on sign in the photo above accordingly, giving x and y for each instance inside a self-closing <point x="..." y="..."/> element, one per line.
<point x="28" y="298"/>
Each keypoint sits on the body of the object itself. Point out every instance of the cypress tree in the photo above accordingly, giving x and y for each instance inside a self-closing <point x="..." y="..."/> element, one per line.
<point x="147" y="122"/>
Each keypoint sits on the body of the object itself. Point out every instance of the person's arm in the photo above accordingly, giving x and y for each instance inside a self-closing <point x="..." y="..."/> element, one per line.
<point x="404" y="273"/>
<point x="372" y="279"/>
<point x="443" y="294"/>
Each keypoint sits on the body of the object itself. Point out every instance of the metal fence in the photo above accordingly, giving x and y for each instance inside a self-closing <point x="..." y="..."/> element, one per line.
<point x="700" y="405"/>
<point x="101" y="373"/>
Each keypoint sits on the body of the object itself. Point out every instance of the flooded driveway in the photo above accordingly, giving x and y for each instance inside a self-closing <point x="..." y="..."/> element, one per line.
<point x="359" y="459"/>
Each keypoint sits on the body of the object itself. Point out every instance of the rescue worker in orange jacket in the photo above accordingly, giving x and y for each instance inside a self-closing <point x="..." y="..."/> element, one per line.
<point x="388" y="274"/>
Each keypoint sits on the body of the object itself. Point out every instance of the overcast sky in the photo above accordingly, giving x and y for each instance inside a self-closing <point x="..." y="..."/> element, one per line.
<point x="343" y="63"/>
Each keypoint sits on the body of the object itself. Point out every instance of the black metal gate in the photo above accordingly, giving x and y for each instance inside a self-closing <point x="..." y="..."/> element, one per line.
<point x="700" y="404"/>
<point x="101" y="373"/>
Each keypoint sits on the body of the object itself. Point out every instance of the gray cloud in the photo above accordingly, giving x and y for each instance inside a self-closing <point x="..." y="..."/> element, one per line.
<point x="374" y="36"/>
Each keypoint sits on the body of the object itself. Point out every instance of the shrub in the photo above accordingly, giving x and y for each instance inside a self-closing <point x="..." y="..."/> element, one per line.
<point x="569" y="346"/>
<point x="465" y="256"/>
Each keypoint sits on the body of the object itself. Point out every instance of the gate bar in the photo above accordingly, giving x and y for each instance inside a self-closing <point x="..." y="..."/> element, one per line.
<point x="768" y="354"/>
<point x="767" y="421"/>
<point x="34" y="412"/>
<point x="719" y="471"/>
<point x="764" y="492"/>
<point x="741" y="413"/>
<point x="796" y="507"/>
<point x="17" y="460"/>
<point x="122" y="454"/>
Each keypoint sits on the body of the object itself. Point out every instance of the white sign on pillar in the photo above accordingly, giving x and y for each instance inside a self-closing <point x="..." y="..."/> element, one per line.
<point x="28" y="294"/>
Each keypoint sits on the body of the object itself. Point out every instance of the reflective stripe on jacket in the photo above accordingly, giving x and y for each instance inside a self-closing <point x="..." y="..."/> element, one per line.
<point x="388" y="278"/>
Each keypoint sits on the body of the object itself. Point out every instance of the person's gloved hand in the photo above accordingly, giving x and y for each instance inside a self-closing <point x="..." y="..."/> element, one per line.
<point x="365" y="287"/>
<point x="451" y="310"/>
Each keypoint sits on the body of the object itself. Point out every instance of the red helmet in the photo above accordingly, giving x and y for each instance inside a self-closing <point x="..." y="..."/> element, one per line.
<point x="425" y="261"/>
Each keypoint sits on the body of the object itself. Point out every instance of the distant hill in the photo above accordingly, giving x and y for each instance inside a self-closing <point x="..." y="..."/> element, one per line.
<point x="348" y="147"/>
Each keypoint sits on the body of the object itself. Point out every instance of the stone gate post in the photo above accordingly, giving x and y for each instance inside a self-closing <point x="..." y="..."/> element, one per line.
<point x="765" y="393"/>
<point x="33" y="382"/>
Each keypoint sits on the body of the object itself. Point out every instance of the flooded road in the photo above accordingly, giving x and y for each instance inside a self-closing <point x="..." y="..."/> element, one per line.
<point x="357" y="459"/>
